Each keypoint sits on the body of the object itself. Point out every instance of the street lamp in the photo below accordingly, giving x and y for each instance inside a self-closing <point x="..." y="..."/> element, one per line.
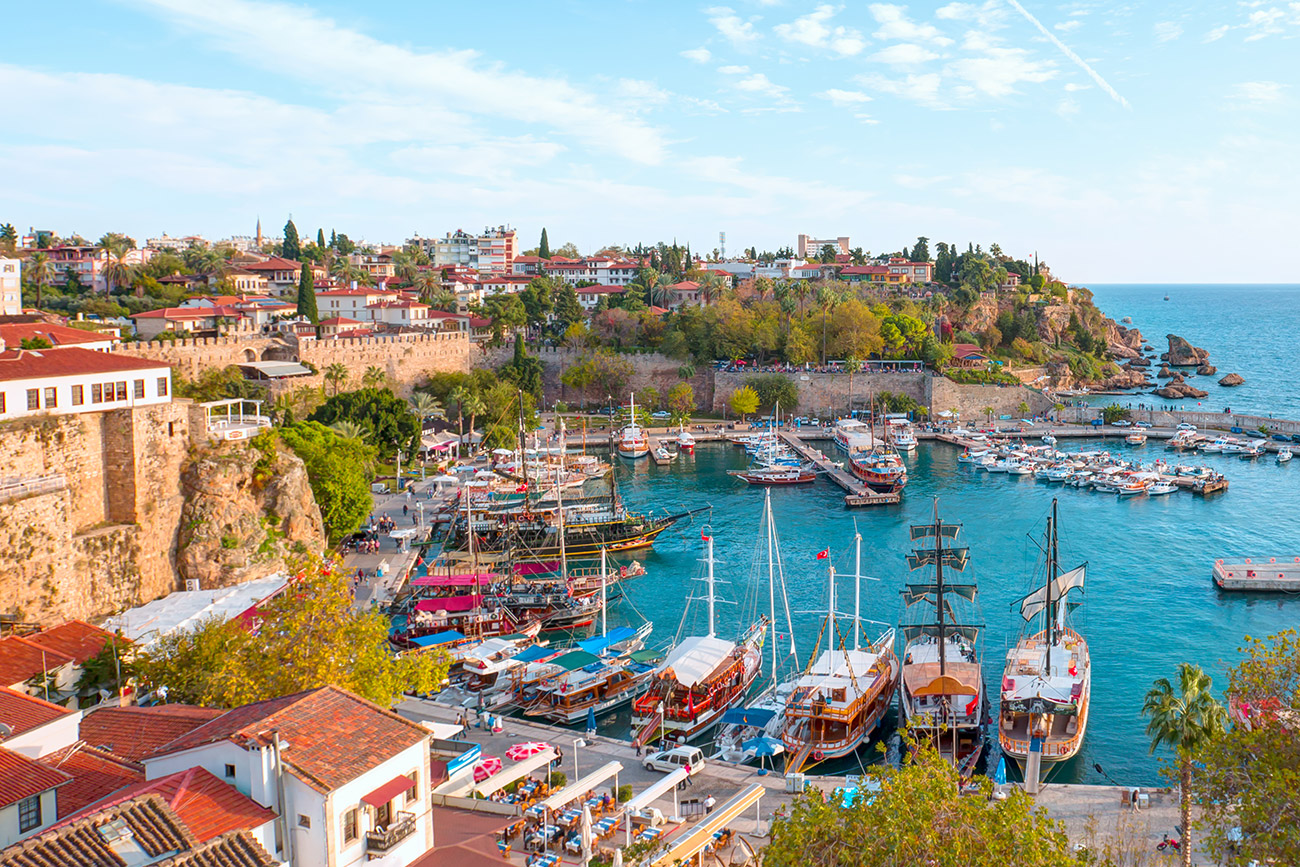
<point x="577" y="742"/>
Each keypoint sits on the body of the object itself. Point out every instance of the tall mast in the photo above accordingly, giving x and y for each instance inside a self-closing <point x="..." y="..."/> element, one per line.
<point x="604" y="630"/>
<point x="523" y="460"/>
<point x="771" y="573"/>
<point x="559" y="508"/>
<point x="830" y="608"/>
<point x="857" y="588"/>
<point x="709" y="560"/>
<point x="938" y="582"/>
<point x="1051" y="579"/>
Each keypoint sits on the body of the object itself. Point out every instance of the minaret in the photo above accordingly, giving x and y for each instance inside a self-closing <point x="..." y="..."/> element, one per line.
<point x="259" y="233"/>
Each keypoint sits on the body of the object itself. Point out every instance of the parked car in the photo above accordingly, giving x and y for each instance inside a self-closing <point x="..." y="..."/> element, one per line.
<point x="668" y="761"/>
<point x="1182" y="425"/>
<point x="1282" y="438"/>
<point x="1123" y="422"/>
<point x="1142" y="424"/>
<point x="661" y="414"/>
<point x="1255" y="435"/>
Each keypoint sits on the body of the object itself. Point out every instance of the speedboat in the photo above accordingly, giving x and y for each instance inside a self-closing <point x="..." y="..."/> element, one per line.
<point x="1162" y="488"/>
<point x="1136" y="439"/>
<point x="685" y="441"/>
<point x="1218" y="445"/>
<point x="1283" y="455"/>
<point x="1049" y="439"/>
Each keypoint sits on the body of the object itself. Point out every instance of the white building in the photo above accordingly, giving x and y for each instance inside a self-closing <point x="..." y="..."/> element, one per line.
<point x="351" y="303"/>
<point x="353" y="778"/>
<point x="601" y="269"/>
<point x="589" y="296"/>
<point x="11" y="287"/>
<point x="74" y="380"/>
<point x="809" y="247"/>
<point x="493" y="250"/>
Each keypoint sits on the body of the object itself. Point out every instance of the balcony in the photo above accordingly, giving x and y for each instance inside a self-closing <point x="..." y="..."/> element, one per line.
<point x="380" y="841"/>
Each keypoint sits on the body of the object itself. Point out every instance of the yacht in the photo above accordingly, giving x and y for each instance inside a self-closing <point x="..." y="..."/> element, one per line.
<point x="1046" y="685"/>
<point x="1136" y="439"/>
<point x="1283" y="454"/>
<point x="632" y="440"/>
<point x="685" y="441"/>
<point x="901" y="435"/>
<point x="852" y="436"/>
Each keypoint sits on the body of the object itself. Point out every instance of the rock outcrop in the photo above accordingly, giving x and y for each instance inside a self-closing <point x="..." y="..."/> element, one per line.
<point x="245" y="511"/>
<point x="1183" y="354"/>
<point x="1206" y="370"/>
<point x="1178" y="389"/>
<point x="1164" y="372"/>
<point x="1139" y="362"/>
<point x="1232" y="379"/>
<point x="1123" y="342"/>
<point x="1128" y="377"/>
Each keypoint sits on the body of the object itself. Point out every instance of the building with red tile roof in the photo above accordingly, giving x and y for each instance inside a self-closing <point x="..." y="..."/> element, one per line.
<point x="12" y="334"/>
<point x="74" y="638"/>
<point x="21" y="713"/>
<point x="95" y="775"/>
<point x="27" y="796"/>
<point x="131" y="733"/>
<point x="74" y="380"/>
<point x="21" y="660"/>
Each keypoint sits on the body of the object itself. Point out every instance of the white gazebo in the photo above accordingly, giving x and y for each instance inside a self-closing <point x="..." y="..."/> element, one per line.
<point x="234" y="419"/>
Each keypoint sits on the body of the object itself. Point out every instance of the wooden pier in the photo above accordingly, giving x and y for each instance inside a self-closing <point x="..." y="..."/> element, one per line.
<point x="655" y="445"/>
<point x="1259" y="575"/>
<point x="856" y="493"/>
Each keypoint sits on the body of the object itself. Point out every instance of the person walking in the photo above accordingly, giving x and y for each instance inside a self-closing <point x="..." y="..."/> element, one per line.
<point x="708" y="804"/>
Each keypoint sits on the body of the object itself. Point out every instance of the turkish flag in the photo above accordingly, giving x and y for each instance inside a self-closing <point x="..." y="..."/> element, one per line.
<point x="822" y="555"/>
<point x="703" y="537"/>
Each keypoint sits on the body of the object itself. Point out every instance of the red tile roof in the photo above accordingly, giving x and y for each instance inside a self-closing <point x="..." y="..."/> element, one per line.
<point x="69" y="361"/>
<point x="134" y="732"/>
<point x="963" y="350"/>
<point x="208" y="806"/>
<point x="13" y="334"/>
<point x="22" y="712"/>
<point x="334" y="736"/>
<point x="95" y="775"/>
<point x="75" y="638"/>
<point x="600" y="290"/>
<point x="21" y="777"/>
<point x="339" y="320"/>
<point x="188" y="314"/>
<point x="275" y="263"/>
<point x="20" y="658"/>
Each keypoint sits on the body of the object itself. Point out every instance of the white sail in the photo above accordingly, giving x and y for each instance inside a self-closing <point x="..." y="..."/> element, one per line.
<point x="1035" y="602"/>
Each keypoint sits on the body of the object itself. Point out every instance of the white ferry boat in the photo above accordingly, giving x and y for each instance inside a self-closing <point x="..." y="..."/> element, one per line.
<point x="852" y="436"/>
<point x="901" y="434"/>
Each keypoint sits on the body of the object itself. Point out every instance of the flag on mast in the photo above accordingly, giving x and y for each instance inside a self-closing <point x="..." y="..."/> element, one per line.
<point x="822" y="555"/>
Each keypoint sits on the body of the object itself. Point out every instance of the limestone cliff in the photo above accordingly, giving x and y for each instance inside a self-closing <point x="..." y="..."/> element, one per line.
<point x="246" y="509"/>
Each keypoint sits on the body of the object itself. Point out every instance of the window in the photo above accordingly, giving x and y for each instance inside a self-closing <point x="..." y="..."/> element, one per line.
<point x="230" y="771"/>
<point x="96" y="393"/>
<point x="349" y="825"/>
<point x="413" y="792"/>
<point x="51" y="398"/>
<point x="162" y="386"/>
<point x="33" y="399"/>
<point x="29" y="813"/>
<point x="78" y="395"/>
<point x="138" y="389"/>
<point x="121" y="390"/>
<point x="304" y="821"/>
<point x="2" y="403"/>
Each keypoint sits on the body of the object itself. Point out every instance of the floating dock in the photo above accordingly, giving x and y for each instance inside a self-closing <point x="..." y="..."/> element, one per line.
<point x="1270" y="575"/>
<point x="856" y="493"/>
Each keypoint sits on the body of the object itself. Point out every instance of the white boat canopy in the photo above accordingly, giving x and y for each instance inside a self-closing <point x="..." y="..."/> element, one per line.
<point x="696" y="657"/>
<point x="836" y="667"/>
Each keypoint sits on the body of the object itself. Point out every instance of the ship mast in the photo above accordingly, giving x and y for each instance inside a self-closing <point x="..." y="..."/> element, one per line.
<point x="604" y="630"/>
<point x="771" y="573"/>
<point x="857" y="588"/>
<point x="559" y="506"/>
<point x="1051" y="579"/>
<point x="709" y="560"/>
<point x="938" y="582"/>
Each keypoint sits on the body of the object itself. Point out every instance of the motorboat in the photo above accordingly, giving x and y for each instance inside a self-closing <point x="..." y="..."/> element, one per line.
<point x="632" y="440"/>
<point x="901" y="435"/>
<point x="1252" y="450"/>
<point x="1161" y="489"/>
<point x="971" y="456"/>
<point x="1049" y="439"/>
<point x="852" y="436"/>
<point x="685" y="441"/>
<point x="1283" y="455"/>
<point x="1136" y="439"/>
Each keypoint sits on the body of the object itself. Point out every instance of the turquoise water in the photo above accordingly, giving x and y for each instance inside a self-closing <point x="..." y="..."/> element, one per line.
<point x="1150" y="603"/>
<point x="1250" y="330"/>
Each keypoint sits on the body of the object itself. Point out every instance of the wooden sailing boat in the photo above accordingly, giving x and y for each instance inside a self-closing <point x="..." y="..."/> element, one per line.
<point x="941" y="695"/>
<point x="1048" y="676"/>
<point x="881" y="468"/>
<point x="844" y="694"/>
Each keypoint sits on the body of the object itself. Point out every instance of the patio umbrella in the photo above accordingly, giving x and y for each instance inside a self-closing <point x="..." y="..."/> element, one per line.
<point x="502" y="452"/>
<point x="519" y="752"/>
<point x="618" y="859"/>
<point x="486" y="767"/>
<point x="586" y="834"/>
<point x="764" y="746"/>
<point x="591" y="722"/>
<point x="1000" y="775"/>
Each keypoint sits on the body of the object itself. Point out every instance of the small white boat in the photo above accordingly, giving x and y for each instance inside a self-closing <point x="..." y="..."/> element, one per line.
<point x="1136" y="439"/>
<point x="1049" y="439"/>
<point x="1283" y="455"/>
<point x="685" y="441"/>
<point x="1162" y="488"/>
<point x="1252" y="450"/>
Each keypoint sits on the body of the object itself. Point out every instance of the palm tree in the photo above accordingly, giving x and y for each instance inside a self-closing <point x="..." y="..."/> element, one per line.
<point x="349" y="430"/>
<point x="827" y="298"/>
<point x="988" y="412"/>
<point x="474" y="406"/>
<point x="428" y="284"/>
<point x="458" y="396"/>
<point x="1022" y="408"/>
<point x="40" y="269"/>
<point x="373" y="377"/>
<point x="426" y="406"/>
<point x="8" y="237"/>
<point x="1186" y="721"/>
<point x="336" y="374"/>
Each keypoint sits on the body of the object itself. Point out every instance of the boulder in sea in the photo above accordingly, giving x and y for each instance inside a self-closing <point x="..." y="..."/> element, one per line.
<point x="1164" y="372"/>
<point x="1183" y="354"/>
<point x="1139" y="362"/>
<point x="1206" y="369"/>
<point x="1232" y="379"/>
<point x="1180" y="391"/>
<point x="1148" y="348"/>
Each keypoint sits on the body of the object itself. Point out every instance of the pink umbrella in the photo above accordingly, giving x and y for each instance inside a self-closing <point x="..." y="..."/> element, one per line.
<point x="486" y="767"/>
<point x="519" y="752"/>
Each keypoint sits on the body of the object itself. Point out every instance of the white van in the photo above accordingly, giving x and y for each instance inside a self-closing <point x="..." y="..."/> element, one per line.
<point x="670" y="760"/>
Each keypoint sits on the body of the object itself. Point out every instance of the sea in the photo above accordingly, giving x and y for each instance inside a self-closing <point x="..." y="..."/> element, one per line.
<point x="1149" y="602"/>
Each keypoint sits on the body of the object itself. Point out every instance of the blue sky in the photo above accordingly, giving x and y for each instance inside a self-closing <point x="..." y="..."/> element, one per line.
<point x="1122" y="142"/>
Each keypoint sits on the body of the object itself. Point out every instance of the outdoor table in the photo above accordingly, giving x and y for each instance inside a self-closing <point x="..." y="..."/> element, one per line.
<point x="543" y="834"/>
<point x="536" y="811"/>
<point x="549" y="860"/>
<point x="604" y="826"/>
<point x="648" y="834"/>
<point x="594" y="803"/>
<point x="568" y="817"/>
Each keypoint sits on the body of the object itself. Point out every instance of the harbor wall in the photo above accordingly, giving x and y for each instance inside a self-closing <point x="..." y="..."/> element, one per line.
<point x="1170" y="418"/>
<point x="972" y="400"/>
<point x="829" y="393"/>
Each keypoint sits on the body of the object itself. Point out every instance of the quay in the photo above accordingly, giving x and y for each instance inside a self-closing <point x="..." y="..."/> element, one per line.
<point x="1258" y="575"/>
<point x="857" y="494"/>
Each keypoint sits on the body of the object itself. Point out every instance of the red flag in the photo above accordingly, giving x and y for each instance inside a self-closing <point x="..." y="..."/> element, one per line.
<point x="704" y="538"/>
<point x="822" y="555"/>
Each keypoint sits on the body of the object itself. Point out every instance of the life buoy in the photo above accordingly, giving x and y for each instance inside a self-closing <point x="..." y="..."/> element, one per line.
<point x="818" y="755"/>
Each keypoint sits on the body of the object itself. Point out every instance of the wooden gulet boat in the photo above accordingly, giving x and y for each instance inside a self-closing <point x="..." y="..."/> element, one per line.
<point x="1047" y="682"/>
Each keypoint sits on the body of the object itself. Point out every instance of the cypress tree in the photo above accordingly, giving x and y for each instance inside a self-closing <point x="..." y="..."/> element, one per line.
<point x="544" y="248"/>
<point x="307" y="294"/>
<point x="320" y="238"/>
<point x="291" y="249"/>
<point x="334" y="239"/>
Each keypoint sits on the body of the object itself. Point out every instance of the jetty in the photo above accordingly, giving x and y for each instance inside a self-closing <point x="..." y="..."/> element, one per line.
<point x="1264" y="575"/>
<point x="856" y="493"/>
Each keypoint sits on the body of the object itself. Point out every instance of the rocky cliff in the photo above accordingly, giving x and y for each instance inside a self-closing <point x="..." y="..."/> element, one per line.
<point x="248" y="506"/>
<point x="1183" y="354"/>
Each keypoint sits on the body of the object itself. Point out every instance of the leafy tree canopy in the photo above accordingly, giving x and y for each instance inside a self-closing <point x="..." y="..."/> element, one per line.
<point x="339" y="470"/>
<point x="774" y="388"/>
<point x="386" y="417"/>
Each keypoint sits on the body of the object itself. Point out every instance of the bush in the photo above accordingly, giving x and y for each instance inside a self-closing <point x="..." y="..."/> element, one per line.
<point x="774" y="388"/>
<point x="557" y="780"/>
<point x="1114" y="413"/>
<point x="624" y="793"/>
<point x="980" y="377"/>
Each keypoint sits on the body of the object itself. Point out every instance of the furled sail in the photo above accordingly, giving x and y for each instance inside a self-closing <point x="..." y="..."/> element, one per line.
<point x="1035" y="602"/>
<point x="952" y="558"/>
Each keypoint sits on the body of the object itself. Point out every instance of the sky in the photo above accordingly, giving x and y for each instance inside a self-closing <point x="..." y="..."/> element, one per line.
<point x="1121" y="142"/>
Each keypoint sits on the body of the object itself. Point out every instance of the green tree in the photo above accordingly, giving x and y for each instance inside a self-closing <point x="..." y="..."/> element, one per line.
<point x="116" y="272"/>
<point x="827" y="254"/>
<point x="681" y="402"/>
<point x="473" y="406"/>
<point x="291" y="248"/>
<point x="337" y="375"/>
<point x="1187" y="720"/>
<point x="773" y="389"/>
<point x="320" y="238"/>
<point x="921" y="252"/>
<point x="544" y="246"/>
<point x="649" y="398"/>
<point x="1022" y="408"/>
<point x="307" y="294"/>
<point x="506" y="312"/>
<point x="389" y="420"/>
<point x="349" y="430"/>
<point x="567" y="310"/>
<point x="40" y="271"/>
<point x="340" y="467"/>
<point x="35" y="343"/>
<point x="8" y="238"/>
<point x="598" y="374"/>
<point x="523" y="370"/>
<point x="217" y="383"/>
<point x="426" y="406"/>
<point x="108" y="670"/>
<point x="1114" y="413"/>
<point x="919" y="816"/>
<point x="373" y="377"/>
<point x="315" y="635"/>
<point x="743" y="401"/>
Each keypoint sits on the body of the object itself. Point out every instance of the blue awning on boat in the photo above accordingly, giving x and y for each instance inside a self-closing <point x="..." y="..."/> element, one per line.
<point x="534" y="653"/>
<point x="598" y="644"/>
<point x="438" y="638"/>
<point x="748" y="716"/>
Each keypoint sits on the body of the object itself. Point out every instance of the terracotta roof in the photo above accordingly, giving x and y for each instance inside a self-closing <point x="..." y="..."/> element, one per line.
<point x="22" y="659"/>
<point x="275" y="263"/>
<point x="208" y="806"/>
<point x="600" y="290"/>
<point x="75" y="638"/>
<point x="154" y="826"/>
<point x="962" y="350"/>
<point x="22" y="712"/>
<point x="95" y="775"/>
<point x="339" y="320"/>
<point x="69" y="361"/>
<point x="334" y="736"/>
<point x="132" y="733"/>
<point x="188" y="313"/>
<point x="21" y="777"/>
<point x="58" y="335"/>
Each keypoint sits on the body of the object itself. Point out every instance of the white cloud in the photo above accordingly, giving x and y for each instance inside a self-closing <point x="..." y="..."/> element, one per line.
<point x="1073" y="87"/>
<point x="1216" y="34"/>
<point x="999" y="71"/>
<point x="1258" y="92"/>
<point x="642" y="91"/>
<point x="368" y="70"/>
<point x="814" y="31"/>
<point x="733" y="28"/>
<point x="956" y="12"/>
<point x="1067" y="26"/>
<point x="904" y="54"/>
<point x="922" y="88"/>
<point x="845" y="98"/>
<point x="759" y="84"/>
<point x="733" y="70"/>
<point x="1168" y="31"/>
<point x="699" y="55"/>
<point x="894" y="24"/>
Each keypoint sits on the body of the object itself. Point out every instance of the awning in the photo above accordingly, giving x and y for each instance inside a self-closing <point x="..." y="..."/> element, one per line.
<point x="462" y="579"/>
<point x="693" y="841"/>
<point x="274" y="369"/>
<point x="579" y="787"/>
<point x="449" y="637"/>
<point x="600" y="643"/>
<point x="389" y="790"/>
<point x="748" y="716"/>
<point x="534" y="653"/>
<point x="657" y="789"/>
<point x="574" y="660"/>
<point x="450" y="603"/>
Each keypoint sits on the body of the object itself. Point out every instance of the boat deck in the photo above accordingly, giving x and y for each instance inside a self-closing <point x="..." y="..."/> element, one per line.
<point x="1266" y="575"/>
